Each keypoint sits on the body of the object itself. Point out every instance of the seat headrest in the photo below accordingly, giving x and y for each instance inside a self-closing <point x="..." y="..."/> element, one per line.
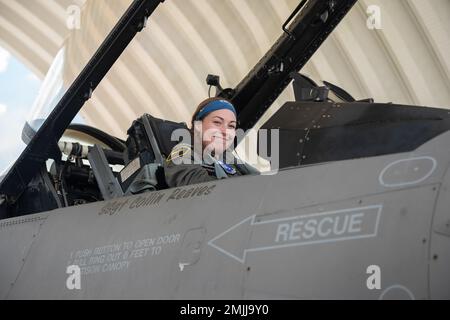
<point x="162" y="130"/>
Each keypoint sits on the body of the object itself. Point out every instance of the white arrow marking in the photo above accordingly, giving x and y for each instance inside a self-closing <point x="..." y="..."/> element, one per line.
<point x="362" y="212"/>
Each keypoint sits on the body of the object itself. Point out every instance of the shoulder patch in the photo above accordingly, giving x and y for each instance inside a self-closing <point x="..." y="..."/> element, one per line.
<point x="179" y="151"/>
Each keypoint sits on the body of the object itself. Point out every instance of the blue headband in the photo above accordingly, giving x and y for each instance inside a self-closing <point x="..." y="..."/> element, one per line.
<point x="213" y="106"/>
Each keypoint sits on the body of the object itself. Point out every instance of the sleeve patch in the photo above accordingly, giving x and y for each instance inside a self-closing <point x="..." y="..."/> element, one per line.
<point x="179" y="152"/>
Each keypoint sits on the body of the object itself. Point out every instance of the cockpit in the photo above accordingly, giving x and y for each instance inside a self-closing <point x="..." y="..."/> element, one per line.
<point x="64" y="162"/>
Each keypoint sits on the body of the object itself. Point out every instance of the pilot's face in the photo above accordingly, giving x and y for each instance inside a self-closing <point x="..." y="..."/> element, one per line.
<point x="219" y="130"/>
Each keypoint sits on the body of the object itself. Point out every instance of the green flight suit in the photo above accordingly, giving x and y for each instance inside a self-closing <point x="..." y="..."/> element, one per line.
<point x="180" y="168"/>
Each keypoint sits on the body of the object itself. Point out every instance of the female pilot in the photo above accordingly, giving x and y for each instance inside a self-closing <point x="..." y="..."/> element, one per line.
<point x="209" y="157"/>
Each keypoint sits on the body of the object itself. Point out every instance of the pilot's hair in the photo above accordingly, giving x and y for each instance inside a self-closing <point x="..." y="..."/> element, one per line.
<point x="201" y="105"/>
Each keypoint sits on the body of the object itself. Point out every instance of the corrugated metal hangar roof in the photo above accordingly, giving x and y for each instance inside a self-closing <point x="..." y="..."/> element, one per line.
<point x="164" y="69"/>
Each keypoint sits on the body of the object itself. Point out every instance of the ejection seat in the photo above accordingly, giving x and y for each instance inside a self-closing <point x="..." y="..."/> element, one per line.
<point x="149" y="143"/>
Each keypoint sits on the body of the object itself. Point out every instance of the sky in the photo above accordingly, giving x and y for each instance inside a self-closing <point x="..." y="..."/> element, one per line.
<point x="18" y="89"/>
